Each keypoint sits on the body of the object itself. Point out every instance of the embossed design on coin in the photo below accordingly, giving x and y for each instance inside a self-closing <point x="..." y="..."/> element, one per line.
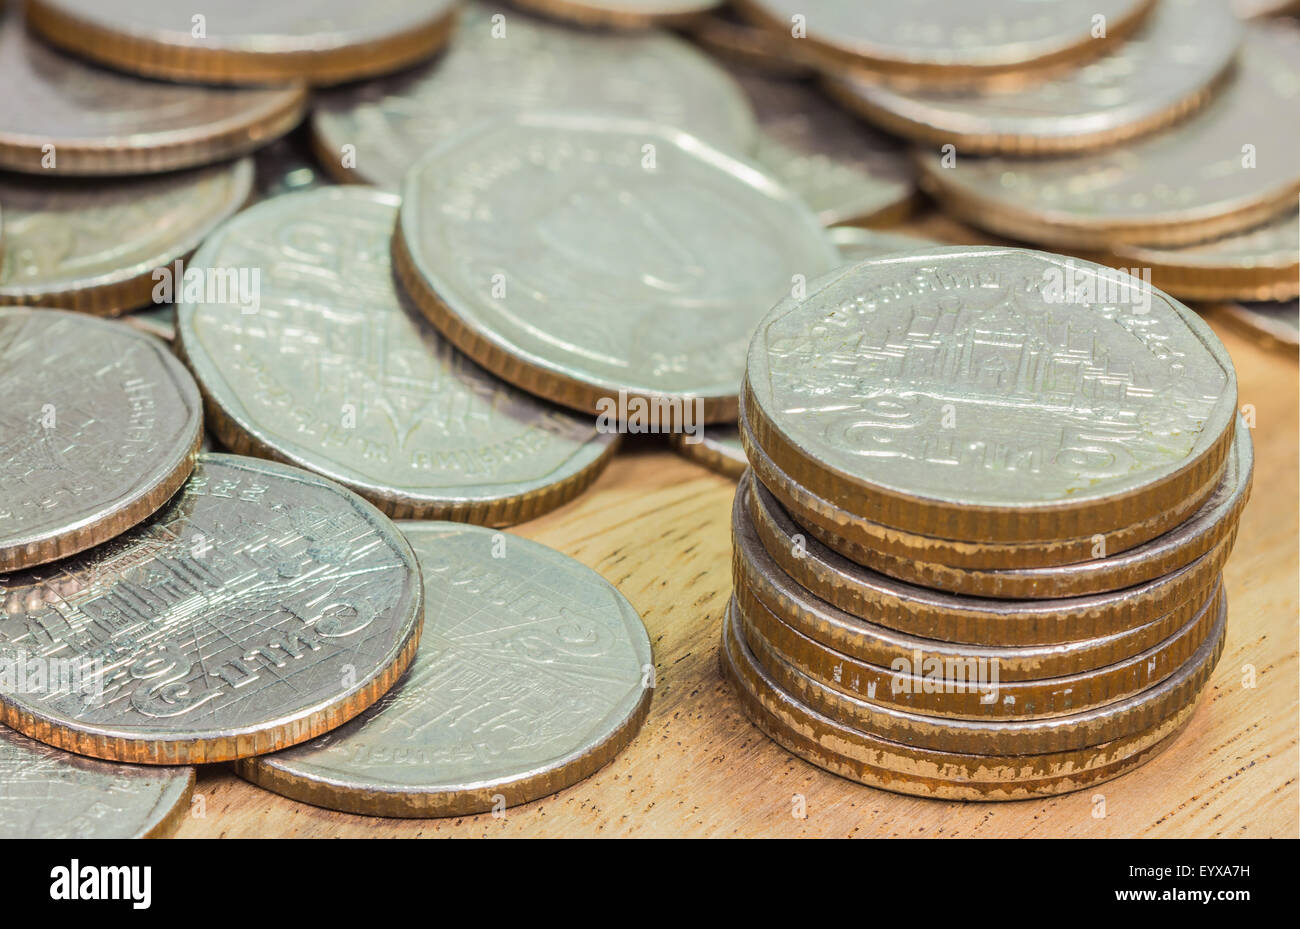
<point x="990" y="394"/>
<point x="388" y="125"/>
<point x="46" y="793"/>
<point x="260" y="608"/>
<point x="247" y="41"/>
<point x="93" y="245"/>
<point x="100" y="427"/>
<point x="619" y="273"/>
<point x="74" y="119"/>
<point x="534" y="673"/>
<point x="334" y="375"/>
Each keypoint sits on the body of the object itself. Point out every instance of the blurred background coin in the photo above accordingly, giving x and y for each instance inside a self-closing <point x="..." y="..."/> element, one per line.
<point x="621" y="14"/>
<point x="1279" y="322"/>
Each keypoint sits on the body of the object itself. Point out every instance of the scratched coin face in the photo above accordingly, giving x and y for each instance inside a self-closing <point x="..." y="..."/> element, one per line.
<point x="972" y="392"/>
<point x="502" y="64"/>
<point x="604" y="257"/>
<point x="1154" y="77"/>
<point x="247" y="41"/>
<point x="47" y="793"/>
<point x="260" y="608"/>
<point x="71" y="118"/>
<point x="100" y="426"/>
<point x="534" y="672"/>
<point x="1228" y="168"/>
<point x="330" y="372"/>
<point x="93" y="245"/>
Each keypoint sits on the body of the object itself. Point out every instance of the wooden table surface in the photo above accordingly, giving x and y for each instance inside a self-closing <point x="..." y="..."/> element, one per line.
<point x="657" y="527"/>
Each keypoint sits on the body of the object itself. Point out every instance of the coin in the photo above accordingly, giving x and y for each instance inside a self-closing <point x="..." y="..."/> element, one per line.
<point x="1279" y="322"/>
<point x="1226" y="169"/>
<point x="729" y="36"/>
<point x="621" y="14"/>
<point x="718" y="449"/>
<point x="95" y="245"/>
<point x="46" y="793"/>
<point x="585" y="214"/>
<point x="855" y="244"/>
<point x="331" y="373"/>
<point x="157" y="321"/>
<point x="1163" y="72"/>
<point x="261" y="608"/>
<point x="100" y="427"/>
<point x="1249" y="8"/>
<point x="501" y="64"/>
<point x="75" y="119"/>
<point x="892" y="766"/>
<point x="923" y="611"/>
<point x="535" y="672"/>
<point x="845" y="170"/>
<point x="937" y="41"/>
<point x="988" y="394"/>
<point x="282" y="168"/>
<point x="247" y="41"/>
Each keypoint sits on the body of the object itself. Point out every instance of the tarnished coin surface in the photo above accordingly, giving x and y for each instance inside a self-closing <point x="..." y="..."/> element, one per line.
<point x="534" y="673"/>
<point x="247" y="41"/>
<point x="989" y="394"/>
<point x="845" y="170"/>
<point x="100" y="427"/>
<point x="71" y="118"/>
<point x="1164" y="71"/>
<point x="607" y="260"/>
<point x="621" y="14"/>
<point x="1226" y="169"/>
<point x="332" y="373"/>
<point x="939" y="41"/>
<point x="504" y="63"/>
<point x="94" y="245"/>
<point x="47" y="793"/>
<point x="261" y="608"/>
<point x="1279" y="322"/>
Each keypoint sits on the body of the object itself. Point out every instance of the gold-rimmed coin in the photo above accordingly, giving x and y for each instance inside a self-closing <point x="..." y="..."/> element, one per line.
<point x="621" y="14"/>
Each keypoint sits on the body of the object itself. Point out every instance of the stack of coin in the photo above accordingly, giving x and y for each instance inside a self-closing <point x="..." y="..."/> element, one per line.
<point x="978" y="551"/>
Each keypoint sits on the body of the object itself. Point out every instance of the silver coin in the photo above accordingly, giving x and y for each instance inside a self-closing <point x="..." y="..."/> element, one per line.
<point x="504" y="63"/>
<point x="1151" y="79"/>
<point x="46" y="793"/>
<point x="1278" y="321"/>
<point x="157" y="321"/>
<point x="260" y="608"/>
<point x="331" y="373"/>
<point x="100" y="426"/>
<point x="855" y="244"/>
<point x="534" y="672"/>
<point x="94" y="245"/>
<point x="282" y="168"/>
<point x="586" y="214"/>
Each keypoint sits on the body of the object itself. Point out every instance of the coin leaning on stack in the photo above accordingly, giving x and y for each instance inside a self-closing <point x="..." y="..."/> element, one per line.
<point x="978" y="551"/>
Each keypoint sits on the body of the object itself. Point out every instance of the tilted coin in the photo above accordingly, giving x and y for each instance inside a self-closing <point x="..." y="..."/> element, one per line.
<point x="1164" y="71"/>
<point x="845" y="170"/>
<point x="1227" y="168"/>
<point x="988" y="394"/>
<point x="261" y="608"/>
<point x="1169" y="599"/>
<point x="938" y="41"/>
<point x="621" y="14"/>
<point x="95" y="245"/>
<point x="374" y="132"/>
<point x="330" y="372"/>
<point x="71" y="118"/>
<point x="607" y="259"/>
<point x="534" y="673"/>
<point x="718" y="449"/>
<point x="46" y="793"/>
<point x="1280" y="322"/>
<point x="100" y="427"/>
<point x="893" y="766"/>
<point x="728" y="36"/>
<point x="247" y="41"/>
<point x="1124" y="718"/>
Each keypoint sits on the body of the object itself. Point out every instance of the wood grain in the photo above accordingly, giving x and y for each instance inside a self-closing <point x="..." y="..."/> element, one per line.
<point x="657" y="527"/>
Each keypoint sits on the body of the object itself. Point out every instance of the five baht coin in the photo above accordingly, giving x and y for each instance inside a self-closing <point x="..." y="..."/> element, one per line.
<point x="622" y="14"/>
<point x="990" y="395"/>
<point x="72" y="118"/>
<point x="108" y="246"/>
<point x="328" y="370"/>
<point x="47" y="793"/>
<point x="1164" y="71"/>
<point x="1228" y="168"/>
<point x="535" y="672"/>
<point x="499" y="64"/>
<point x="261" y="608"/>
<point x="247" y="41"/>
<point x="614" y="267"/>
<point x="100" y="427"/>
